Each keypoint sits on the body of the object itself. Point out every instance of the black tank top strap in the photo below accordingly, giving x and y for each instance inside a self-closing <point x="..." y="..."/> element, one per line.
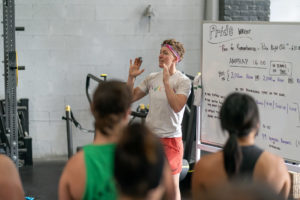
<point x="250" y="157"/>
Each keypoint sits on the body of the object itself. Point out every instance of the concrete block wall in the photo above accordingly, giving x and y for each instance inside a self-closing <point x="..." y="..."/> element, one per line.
<point x="244" y="10"/>
<point x="64" y="40"/>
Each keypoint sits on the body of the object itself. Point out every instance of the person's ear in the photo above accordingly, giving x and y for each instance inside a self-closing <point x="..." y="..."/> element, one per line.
<point x="258" y="126"/>
<point x="175" y="59"/>
<point x="257" y="129"/>
<point x="127" y="115"/>
<point x="92" y="108"/>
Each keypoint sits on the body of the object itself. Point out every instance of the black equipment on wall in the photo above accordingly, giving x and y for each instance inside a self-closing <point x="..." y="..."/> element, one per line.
<point x="10" y="77"/>
<point x="24" y="141"/>
<point x="189" y="125"/>
<point x="10" y="122"/>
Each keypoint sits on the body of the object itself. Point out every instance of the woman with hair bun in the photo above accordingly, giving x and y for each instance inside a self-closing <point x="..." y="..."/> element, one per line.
<point x="240" y="158"/>
<point x="89" y="173"/>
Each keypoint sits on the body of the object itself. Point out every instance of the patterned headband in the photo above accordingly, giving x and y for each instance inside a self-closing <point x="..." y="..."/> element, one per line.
<point x="173" y="51"/>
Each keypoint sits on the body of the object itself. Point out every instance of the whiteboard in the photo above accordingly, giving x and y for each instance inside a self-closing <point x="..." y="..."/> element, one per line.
<point x="262" y="60"/>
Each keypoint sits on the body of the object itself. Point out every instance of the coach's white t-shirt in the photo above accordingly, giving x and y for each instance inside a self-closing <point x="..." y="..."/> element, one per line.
<point x="162" y="119"/>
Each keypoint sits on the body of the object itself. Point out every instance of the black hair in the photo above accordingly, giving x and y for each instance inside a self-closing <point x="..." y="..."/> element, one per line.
<point x="239" y="116"/>
<point x="110" y="103"/>
<point x="139" y="161"/>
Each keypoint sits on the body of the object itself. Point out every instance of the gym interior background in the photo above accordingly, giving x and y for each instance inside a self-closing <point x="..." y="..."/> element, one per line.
<point x="64" y="40"/>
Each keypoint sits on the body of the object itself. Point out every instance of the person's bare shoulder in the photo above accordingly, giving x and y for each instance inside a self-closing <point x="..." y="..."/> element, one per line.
<point x="208" y="167"/>
<point x="271" y="169"/>
<point x="208" y="173"/>
<point x="8" y="169"/>
<point x="5" y="162"/>
<point x="10" y="182"/>
<point x="270" y="164"/>
<point x="209" y="161"/>
<point x="75" y="164"/>
<point x="72" y="181"/>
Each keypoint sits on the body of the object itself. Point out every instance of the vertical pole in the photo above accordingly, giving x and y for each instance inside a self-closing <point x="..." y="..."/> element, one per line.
<point x="212" y="10"/>
<point x="69" y="131"/>
<point x="190" y="135"/>
<point x="198" y="132"/>
<point x="10" y="85"/>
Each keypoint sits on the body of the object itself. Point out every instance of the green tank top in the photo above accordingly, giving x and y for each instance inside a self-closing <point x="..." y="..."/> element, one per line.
<point x="99" y="164"/>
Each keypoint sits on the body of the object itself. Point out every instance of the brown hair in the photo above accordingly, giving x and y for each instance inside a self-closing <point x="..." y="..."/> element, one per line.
<point x="139" y="161"/>
<point x="177" y="46"/>
<point x="111" y="101"/>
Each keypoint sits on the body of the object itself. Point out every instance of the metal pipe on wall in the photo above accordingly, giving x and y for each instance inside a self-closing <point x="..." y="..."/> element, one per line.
<point x="212" y="10"/>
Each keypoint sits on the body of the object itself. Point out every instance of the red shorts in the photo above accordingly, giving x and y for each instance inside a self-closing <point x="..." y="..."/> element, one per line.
<point x="174" y="152"/>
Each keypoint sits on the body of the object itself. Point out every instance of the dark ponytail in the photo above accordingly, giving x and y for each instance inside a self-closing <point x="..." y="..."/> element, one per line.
<point x="239" y="116"/>
<point x="232" y="156"/>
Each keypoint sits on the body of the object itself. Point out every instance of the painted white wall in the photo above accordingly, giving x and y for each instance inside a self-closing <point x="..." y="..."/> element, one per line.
<point x="285" y="11"/>
<point x="64" y="40"/>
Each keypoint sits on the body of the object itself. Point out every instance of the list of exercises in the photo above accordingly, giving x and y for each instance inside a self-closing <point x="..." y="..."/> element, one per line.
<point x="262" y="60"/>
